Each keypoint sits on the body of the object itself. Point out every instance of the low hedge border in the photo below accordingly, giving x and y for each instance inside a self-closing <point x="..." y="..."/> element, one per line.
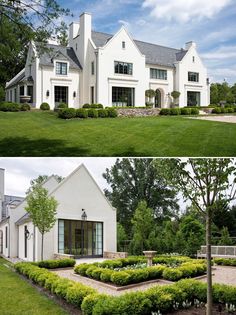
<point x="158" y="299"/>
<point x="225" y="261"/>
<point x="69" y="113"/>
<point x="106" y="272"/>
<point x="56" y="263"/>
<point x="179" y="111"/>
<point x="14" y="107"/>
<point x="69" y="290"/>
<point x="224" y="110"/>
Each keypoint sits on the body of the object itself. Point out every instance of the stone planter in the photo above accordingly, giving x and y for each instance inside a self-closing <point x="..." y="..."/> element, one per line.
<point x="149" y="254"/>
<point x="25" y="98"/>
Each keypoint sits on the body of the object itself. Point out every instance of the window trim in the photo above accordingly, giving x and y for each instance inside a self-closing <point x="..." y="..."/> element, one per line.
<point x="158" y="70"/>
<point x="122" y="64"/>
<point x="61" y="62"/>
<point x="191" y="73"/>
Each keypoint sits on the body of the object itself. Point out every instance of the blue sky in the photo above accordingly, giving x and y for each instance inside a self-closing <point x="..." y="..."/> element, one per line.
<point x="211" y="23"/>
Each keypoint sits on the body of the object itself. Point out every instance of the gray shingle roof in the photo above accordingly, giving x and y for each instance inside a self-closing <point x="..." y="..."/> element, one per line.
<point x="23" y="219"/>
<point x="17" y="79"/>
<point x="155" y="54"/>
<point x="62" y="53"/>
<point x="10" y="200"/>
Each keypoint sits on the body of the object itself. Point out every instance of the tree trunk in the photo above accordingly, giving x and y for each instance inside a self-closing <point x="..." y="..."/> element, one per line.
<point x="42" y="247"/>
<point x="208" y="256"/>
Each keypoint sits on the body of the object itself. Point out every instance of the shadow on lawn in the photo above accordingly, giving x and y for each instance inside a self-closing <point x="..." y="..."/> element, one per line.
<point x="22" y="146"/>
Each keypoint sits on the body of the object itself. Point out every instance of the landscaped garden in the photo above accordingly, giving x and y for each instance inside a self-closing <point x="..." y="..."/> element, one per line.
<point x="38" y="133"/>
<point x="187" y="296"/>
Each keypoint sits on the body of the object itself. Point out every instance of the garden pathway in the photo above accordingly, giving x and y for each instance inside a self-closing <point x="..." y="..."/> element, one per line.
<point x="221" y="118"/>
<point x="224" y="275"/>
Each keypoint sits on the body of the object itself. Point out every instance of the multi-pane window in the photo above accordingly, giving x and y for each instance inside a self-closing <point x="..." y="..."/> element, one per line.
<point x="193" y="77"/>
<point x="123" y="67"/>
<point x="30" y="93"/>
<point x="61" y="68"/>
<point x="92" y="68"/>
<point x="123" y="45"/>
<point x="61" y="94"/>
<point x="158" y="74"/>
<point x="122" y="96"/>
<point x="22" y="90"/>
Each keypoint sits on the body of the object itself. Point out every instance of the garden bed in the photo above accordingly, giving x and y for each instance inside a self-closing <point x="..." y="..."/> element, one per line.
<point x="123" y="272"/>
<point x="201" y="311"/>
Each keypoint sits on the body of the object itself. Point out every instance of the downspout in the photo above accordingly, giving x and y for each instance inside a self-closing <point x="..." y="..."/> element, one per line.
<point x="96" y="54"/>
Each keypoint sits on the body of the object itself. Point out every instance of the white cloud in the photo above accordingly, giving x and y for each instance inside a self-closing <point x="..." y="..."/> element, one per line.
<point x="184" y="11"/>
<point x="223" y="52"/>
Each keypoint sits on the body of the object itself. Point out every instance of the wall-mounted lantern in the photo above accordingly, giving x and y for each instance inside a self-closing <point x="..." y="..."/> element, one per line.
<point x="47" y="93"/>
<point x="27" y="234"/>
<point x="74" y="94"/>
<point x="84" y="215"/>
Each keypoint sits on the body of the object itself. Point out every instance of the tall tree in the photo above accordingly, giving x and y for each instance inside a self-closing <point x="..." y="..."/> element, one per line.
<point x="42" y="211"/>
<point x="40" y="179"/>
<point x="133" y="180"/>
<point x="21" y="22"/>
<point x="203" y="182"/>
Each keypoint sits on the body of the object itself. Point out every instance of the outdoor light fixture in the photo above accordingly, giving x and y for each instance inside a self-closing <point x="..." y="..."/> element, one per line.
<point x="74" y="94"/>
<point x="84" y="215"/>
<point x="27" y="234"/>
<point x="47" y="93"/>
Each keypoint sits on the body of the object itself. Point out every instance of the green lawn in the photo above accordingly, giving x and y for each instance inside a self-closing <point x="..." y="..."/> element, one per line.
<point x="18" y="297"/>
<point x="43" y="134"/>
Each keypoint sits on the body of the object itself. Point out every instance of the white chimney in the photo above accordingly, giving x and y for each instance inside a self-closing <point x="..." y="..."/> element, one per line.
<point x="73" y="32"/>
<point x="189" y="45"/>
<point x="85" y="33"/>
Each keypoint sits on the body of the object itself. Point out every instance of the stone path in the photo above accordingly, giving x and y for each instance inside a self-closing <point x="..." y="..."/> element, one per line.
<point x="224" y="275"/>
<point x="220" y="118"/>
<point x="102" y="288"/>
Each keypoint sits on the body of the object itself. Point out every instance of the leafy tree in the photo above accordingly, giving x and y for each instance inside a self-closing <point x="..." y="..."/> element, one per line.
<point x="225" y="237"/>
<point x="225" y="216"/>
<point x="233" y="91"/>
<point x="40" y="180"/>
<point x="143" y="224"/>
<point x="133" y="180"/>
<point x="175" y="95"/>
<point x="203" y="182"/>
<point x="121" y="237"/>
<point x="22" y="22"/>
<point x="42" y="210"/>
<point x="214" y="94"/>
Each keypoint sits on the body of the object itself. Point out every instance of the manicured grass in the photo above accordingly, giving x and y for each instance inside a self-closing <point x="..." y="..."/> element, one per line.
<point x="19" y="297"/>
<point x="43" y="134"/>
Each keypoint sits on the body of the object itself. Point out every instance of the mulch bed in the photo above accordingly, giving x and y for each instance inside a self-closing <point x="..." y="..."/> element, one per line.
<point x="217" y="310"/>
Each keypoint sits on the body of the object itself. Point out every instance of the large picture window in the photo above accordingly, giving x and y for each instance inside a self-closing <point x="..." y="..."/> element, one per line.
<point x="61" y="94"/>
<point x="122" y="96"/>
<point x="123" y="67"/>
<point x="80" y="238"/>
<point x="158" y="74"/>
<point x="193" y="77"/>
<point x="194" y="98"/>
<point x="61" y="68"/>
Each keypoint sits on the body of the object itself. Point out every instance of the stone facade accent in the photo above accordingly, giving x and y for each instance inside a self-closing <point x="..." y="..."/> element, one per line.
<point x="62" y="256"/>
<point x="137" y="112"/>
<point x="111" y="255"/>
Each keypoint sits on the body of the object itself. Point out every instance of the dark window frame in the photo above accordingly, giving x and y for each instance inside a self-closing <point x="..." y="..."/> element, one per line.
<point x="121" y="67"/>
<point x="61" y="68"/>
<point x="158" y="74"/>
<point x="193" y="76"/>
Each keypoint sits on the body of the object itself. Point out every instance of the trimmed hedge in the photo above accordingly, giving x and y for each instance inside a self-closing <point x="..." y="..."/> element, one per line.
<point x="67" y="113"/>
<point x="225" y="261"/>
<point x="92" y="113"/>
<point x="97" y="106"/>
<point x="223" y="110"/>
<point x="10" y="107"/>
<point x="160" y="299"/>
<point x="69" y="290"/>
<point x="82" y="113"/>
<point x="44" y="106"/>
<point x="57" y="263"/>
<point x="62" y="105"/>
<point x="25" y="107"/>
<point x="179" y="111"/>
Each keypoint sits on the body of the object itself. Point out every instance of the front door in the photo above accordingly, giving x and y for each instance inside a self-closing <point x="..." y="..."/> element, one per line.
<point x="158" y="99"/>
<point x="60" y="95"/>
<point x="1" y="242"/>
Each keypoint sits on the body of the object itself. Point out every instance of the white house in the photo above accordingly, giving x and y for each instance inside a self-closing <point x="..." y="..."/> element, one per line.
<point x="85" y="222"/>
<point x="114" y="70"/>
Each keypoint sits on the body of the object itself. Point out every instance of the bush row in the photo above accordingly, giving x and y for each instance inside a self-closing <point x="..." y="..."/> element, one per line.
<point x="160" y="299"/>
<point x="93" y="106"/>
<point x="14" y="107"/>
<point x="57" y="263"/>
<point x="69" y="113"/>
<point x="69" y="290"/>
<point x="225" y="261"/>
<point x="128" y="276"/>
<point x="179" y="111"/>
<point x="220" y="110"/>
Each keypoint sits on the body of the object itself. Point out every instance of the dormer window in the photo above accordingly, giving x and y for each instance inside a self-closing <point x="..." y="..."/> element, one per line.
<point x="61" y="68"/>
<point x="123" y="45"/>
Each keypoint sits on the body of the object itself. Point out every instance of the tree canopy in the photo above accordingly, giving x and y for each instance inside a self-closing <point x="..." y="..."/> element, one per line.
<point x="135" y="180"/>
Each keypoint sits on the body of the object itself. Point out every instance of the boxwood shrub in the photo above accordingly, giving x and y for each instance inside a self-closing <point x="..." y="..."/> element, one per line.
<point x="185" y="111"/>
<point x="112" y="112"/>
<point x="92" y="113"/>
<point x="25" y="107"/>
<point x="165" y="111"/>
<point x="77" y="292"/>
<point x="90" y="301"/>
<point x="121" y="278"/>
<point x="172" y="274"/>
<point x="105" y="275"/>
<point x="174" y="111"/>
<point x="9" y="107"/>
<point x="44" y="106"/>
<point x="194" y="111"/>
<point x="225" y="261"/>
<point x="62" y="105"/>
<point x="67" y="113"/>
<point x="102" y="113"/>
<point x="82" y="113"/>
<point x="57" y="263"/>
